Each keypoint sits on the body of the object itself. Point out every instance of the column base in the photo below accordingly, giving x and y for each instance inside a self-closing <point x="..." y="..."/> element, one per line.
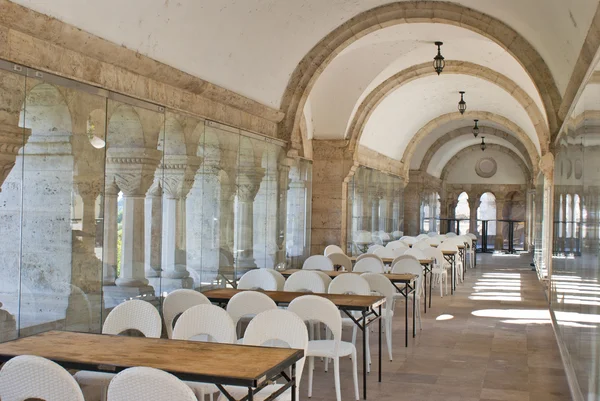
<point x="150" y="272"/>
<point x="131" y="282"/>
<point x="8" y="326"/>
<point x="115" y="295"/>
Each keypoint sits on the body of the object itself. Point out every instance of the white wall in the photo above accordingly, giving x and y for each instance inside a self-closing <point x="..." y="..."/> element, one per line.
<point x="508" y="172"/>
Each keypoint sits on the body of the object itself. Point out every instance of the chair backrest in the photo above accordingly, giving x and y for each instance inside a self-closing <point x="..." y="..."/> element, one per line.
<point x="383" y="286"/>
<point x="32" y="377"/>
<point x="305" y="281"/>
<point x="134" y="315"/>
<point x="257" y="279"/>
<point x="417" y="253"/>
<point x="450" y="234"/>
<point x="409" y="240"/>
<point x="349" y="283"/>
<point x="433" y="241"/>
<point x="329" y="249"/>
<point x="472" y="236"/>
<point x="384" y="252"/>
<point x="412" y="267"/>
<point x="209" y="320"/>
<point x="178" y="302"/>
<point x="278" y="278"/>
<point x="422" y="244"/>
<point x="318" y="262"/>
<point x="432" y="234"/>
<point x="325" y="277"/>
<point x="339" y="259"/>
<point x="280" y="326"/>
<point x="368" y="255"/>
<point x="397" y="234"/>
<point x="421" y="237"/>
<point x="373" y="248"/>
<point x="142" y="383"/>
<point x="314" y="308"/>
<point x="372" y="265"/>
<point x="403" y="257"/>
<point x="248" y="303"/>
<point x="436" y="254"/>
<point x="448" y="246"/>
<point x="400" y="251"/>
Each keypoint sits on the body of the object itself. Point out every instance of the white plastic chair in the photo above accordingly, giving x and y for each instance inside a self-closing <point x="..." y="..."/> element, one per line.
<point x="312" y="308"/>
<point x="433" y="241"/>
<point x="409" y="240"/>
<point x="417" y="253"/>
<point x="373" y="248"/>
<point x="371" y="265"/>
<point x="32" y="377"/>
<point x="248" y="304"/>
<point x="129" y="315"/>
<point x="281" y="327"/>
<point x="351" y="284"/>
<point x="432" y="234"/>
<point x="339" y="259"/>
<point x="305" y="281"/>
<point x="329" y="249"/>
<point x="412" y="267"/>
<point x="278" y="278"/>
<point x="178" y="302"/>
<point x="397" y="234"/>
<point x="451" y="234"/>
<point x="421" y="237"/>
<point x="384" y="253"/>
<point x="468" y="241"/>
<point x="450" y="245"/>
<point x="400" y="251"/>
<point x="258" y="279"/>
<point x="143" y="383"/>
<point x="325" y="277"/>
<point x="384" y="287"/>
<point x="422" y="244"/>
<point x="439" y="269"/>
<point x="204" y="321"/>
<point x="402" y="257"/>
<point x="368" y="255"/>
<point x="318" y="262"/>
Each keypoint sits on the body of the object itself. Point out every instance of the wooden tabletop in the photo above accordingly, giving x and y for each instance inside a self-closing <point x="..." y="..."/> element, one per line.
<point x="396" y="278"/>
<point x="343" y="301"/>
<point x="390" y="260"/>
<point x="188" y="360"/>
<point x="448" y="252"/>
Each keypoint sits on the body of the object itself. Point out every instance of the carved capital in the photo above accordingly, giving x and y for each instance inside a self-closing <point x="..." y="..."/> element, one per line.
<point x="12" y="139"/>
<point x="179" y="175"/>
<point x="88" y="187"/>
<point x="132" y="169"/>
<point x="249" y="183"/>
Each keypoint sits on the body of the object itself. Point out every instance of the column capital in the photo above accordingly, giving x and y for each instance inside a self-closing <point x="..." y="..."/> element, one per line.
<point x="133" y="169"/>
<point x="179" y="173"/>
<point x="12" y="139"/>
<point x="88" y="187"/>
<point x="248" y="183"/>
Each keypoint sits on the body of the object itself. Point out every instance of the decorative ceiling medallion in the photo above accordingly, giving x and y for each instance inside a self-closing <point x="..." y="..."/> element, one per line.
<point x="486" y="167"/>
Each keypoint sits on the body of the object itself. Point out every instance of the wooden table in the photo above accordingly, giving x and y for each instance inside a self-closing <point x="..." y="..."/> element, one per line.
<point x="365" y="304"/>
<point x="427" y="266"/>
<point x="450" y="256"/>
<point x="395" y="279"/>
<point x="221" y="364"/>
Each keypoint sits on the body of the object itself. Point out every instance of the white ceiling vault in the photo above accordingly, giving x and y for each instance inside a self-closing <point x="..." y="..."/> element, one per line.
<point x="253" y="47"/>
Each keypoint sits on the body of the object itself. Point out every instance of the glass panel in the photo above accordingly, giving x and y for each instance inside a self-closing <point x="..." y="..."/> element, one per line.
<point x="133" y="212"/>
<point x="12" y="133"/>
<point x="299" y="200"/>
<point x="62" y="228"/>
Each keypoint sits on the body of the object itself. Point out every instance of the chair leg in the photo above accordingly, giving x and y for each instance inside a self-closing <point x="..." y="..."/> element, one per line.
<point x="355" y="374"/>
<point x="368" y="351"/>
<point x="388" y="336"/>
<point x="311" y="368"/>
<point x="336" y="370"/>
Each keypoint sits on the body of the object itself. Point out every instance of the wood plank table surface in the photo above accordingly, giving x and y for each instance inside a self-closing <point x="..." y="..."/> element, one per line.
<point x="390" y="260"/>
<point x="365" y="304"/>
<point x="225" y="364"/>
<point x="397" y="278"/>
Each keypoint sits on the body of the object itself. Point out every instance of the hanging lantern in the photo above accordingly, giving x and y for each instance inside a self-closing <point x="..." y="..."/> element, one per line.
<point x="483" y="145"/>
<point x="462" y="105"/>
<point x="438" y="60"/>
<point x="476" y="129"/>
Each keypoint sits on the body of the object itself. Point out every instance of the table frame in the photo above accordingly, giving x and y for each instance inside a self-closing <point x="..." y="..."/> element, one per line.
<point x="451" y="258"/>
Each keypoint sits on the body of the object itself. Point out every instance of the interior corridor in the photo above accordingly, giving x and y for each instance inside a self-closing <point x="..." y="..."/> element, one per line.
<point x="491" y="340"/>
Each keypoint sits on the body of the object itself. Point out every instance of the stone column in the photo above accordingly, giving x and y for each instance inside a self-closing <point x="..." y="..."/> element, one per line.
<point x="474" y="202"/>
<point x="153" y="228"/>
<point x="499" y="242"/>
<point x="375" y="211"/>
<point x="228" y="190"/>
<point x="296" y="209"/>
<point x="283" y="174"/>
<point x="179" y="173"/>
<point x="412" y="209"/>
<point x="109" y="270"/>
<point x="530" y="219"/>
<point x="133" y="170"/>
<point x="248" y="186"/>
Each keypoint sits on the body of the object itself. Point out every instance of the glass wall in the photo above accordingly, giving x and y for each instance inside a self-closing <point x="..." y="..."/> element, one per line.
<point x="575" y="276"/>
<point x="375" y="209"/>
<point x="104" y="198"/>
<point x="430" y="212"/>
<point x="538" y="205"/>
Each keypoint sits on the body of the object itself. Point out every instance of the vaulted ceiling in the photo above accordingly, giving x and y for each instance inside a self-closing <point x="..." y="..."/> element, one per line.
<point x="255" y="47"/>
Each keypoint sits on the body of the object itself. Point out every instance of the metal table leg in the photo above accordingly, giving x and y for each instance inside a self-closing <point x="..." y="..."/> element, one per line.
<point x="380" y="318"/>
<point x="364" y="343"/>
<point x="425" y="287"/>
<point x="414" y="312"/>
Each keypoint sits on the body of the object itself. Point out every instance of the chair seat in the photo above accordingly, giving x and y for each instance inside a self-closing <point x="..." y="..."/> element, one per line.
<point x="202" y="388"/>
<point x="324" y="348"/>
<point x="240" y="392"/>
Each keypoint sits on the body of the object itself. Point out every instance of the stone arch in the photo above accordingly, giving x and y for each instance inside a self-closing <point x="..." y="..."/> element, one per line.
<point x="458" y="156"/>
<point x="481" y="115"/>
<point x="172" y="138"/>
<point x="46" y="112"/>
<point x="316" y="60"/>
<point x="125" y="128"/>
<point x="370" y="103"/>
<point x="485" y="131"/>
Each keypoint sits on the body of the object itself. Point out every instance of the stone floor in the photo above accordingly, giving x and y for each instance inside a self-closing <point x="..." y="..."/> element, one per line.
<point x="495" y="344"/>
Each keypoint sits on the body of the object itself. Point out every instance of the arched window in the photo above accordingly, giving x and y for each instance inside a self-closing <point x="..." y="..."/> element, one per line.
<point x="462" y="212"/>
<point x="561" y="215"/>
<point x="576" y="215"/>
<point x="487" y="211"/>
<point x="568" y="215"/>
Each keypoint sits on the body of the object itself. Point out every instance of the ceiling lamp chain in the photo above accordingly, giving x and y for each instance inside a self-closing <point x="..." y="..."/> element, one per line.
<point x="438" y="60"/>
<point x="483" y="145"/>
<point x="476" y="129"/>
<point x="462" y="105"/>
